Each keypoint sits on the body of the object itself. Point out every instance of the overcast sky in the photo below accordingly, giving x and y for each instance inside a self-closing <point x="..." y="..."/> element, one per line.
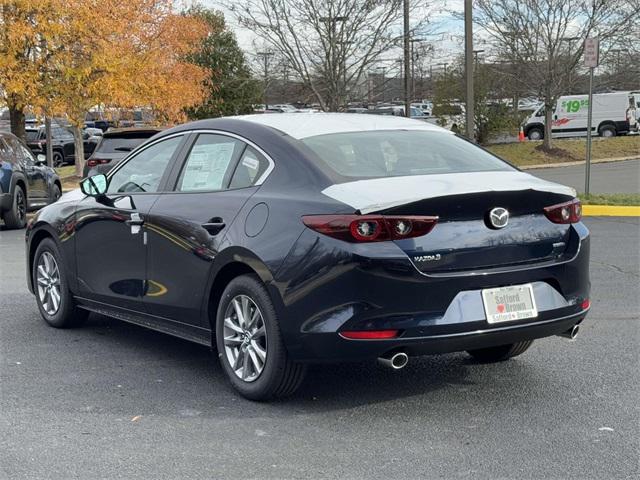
<point x="448" y="38"/>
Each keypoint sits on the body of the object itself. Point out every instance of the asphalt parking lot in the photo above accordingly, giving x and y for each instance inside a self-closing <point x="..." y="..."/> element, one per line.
<point x="612" y="177"/>
<point x="112" y="400"/>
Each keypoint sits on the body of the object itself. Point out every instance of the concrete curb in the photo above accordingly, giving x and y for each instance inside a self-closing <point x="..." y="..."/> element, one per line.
<point x="610" y="211"/>
<point x="580" y="162"/>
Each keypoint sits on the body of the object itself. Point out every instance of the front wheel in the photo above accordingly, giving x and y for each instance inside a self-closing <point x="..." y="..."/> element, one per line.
<point x="16" y="216"/>
<point x="535" y="134"/>
<point x="500" y="353"/>
<point x="250" y="345"/>
<point x="50" y="286"/>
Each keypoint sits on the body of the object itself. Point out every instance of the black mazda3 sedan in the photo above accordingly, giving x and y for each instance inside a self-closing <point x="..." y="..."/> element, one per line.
<point x="283" y="240"/>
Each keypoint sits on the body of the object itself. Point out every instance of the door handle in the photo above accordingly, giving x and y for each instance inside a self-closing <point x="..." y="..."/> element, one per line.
<point x="214" y="226"/>
<point x="135" y="220"/>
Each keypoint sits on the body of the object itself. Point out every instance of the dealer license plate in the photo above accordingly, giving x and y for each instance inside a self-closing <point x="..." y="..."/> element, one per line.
<point x="506" y="304"/>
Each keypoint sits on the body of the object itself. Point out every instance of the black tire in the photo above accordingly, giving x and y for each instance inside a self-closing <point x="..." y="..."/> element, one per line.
<point x="68" y="315"/>
<point x="58" y="158"/>
<point x="535" y="133"/>
<point x="16" y="216"/>
<point x="280" y="375"/>
<point x="500" y="353"/>
<point x="607" y="131"/>
<point x="55" y="193"/>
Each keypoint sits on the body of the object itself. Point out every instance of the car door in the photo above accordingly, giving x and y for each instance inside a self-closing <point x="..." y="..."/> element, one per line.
<point x="110" y="241"/>
<point x="66" y="141"/>
<point x="36" y="186"/>
<point x="36" y="175"/>
<point x="187" y="226"/>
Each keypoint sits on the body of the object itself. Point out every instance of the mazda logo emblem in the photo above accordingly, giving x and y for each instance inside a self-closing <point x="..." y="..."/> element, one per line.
<point x="498" y="217"/>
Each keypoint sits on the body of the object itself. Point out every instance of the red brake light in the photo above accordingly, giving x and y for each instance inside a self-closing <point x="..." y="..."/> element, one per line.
<point x="370" y="228"/>
<point x="93" y="163"/>
<point x="370" y="334"/>
<point x="585" y="304"/>
<point x="568" y="212"/>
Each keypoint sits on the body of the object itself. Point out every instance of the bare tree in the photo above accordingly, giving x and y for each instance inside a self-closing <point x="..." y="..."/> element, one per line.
<point x="328" y="44"/>
<point x="545" y="38"/>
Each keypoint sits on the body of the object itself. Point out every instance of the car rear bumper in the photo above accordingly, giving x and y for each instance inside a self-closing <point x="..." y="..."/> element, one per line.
<point x="331" y="347"/>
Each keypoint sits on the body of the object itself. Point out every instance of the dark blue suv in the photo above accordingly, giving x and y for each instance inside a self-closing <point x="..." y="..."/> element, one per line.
<point x="26" y="182"/>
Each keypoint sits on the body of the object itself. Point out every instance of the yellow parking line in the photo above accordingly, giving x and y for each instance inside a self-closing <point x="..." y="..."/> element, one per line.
<point x="610" y="211"/>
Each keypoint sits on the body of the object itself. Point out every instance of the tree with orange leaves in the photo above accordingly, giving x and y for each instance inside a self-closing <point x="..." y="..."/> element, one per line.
<point x="108" y="52"/>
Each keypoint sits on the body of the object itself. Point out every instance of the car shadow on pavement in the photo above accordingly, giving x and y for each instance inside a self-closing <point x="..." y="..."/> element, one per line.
<point x="327" y="387"/>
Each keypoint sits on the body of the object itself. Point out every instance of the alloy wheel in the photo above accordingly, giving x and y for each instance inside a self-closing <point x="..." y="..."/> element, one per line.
<point x="48" y="282"/>
<point x="245" y="338"/>
<point x="21" y="205"/>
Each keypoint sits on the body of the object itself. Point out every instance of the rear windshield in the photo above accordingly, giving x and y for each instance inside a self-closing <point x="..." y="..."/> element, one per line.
<point x="119" y="144"/>
<point x="32" y="135"/>
<point x="393" y="153"/>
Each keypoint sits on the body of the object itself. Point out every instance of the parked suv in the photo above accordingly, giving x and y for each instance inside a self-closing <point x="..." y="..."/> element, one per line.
<point x="26" y="183"/>
<point x="114" y="146"/>
<point x="64" y="150"/>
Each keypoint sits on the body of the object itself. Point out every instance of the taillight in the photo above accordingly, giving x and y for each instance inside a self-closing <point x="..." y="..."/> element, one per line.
<point x="94" y="163"/>
<point x="568" y="212"/>
<point x="370" y="334"/>
<point x="370" y="228"/>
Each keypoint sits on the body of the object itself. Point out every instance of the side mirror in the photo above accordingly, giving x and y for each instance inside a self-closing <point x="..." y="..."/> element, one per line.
<point x="95" y="186"/>
<point x="41" y="160"/>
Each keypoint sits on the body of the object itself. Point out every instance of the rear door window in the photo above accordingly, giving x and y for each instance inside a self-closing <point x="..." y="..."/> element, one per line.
<point x="250" y="169"/>
<point x="210" y="163"/>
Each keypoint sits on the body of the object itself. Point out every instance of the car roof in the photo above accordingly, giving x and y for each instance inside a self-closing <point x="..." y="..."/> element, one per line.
<point x="304" y="125"/>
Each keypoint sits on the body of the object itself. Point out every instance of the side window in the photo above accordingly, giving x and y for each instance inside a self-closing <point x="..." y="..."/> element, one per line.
<point x="4" y="148"/>
<point x="143" y="172"/>
<point x="250" y="168"/>
<point x="15" y="146"/>
<point x="27" y="155"/>
<point x="209" y="164"/>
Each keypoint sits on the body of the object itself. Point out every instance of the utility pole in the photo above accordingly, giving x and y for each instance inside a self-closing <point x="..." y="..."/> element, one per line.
<point x="407" y="60"/>
<point x="265" y="56"/>
<point x="413" y="65"/>
<point x="591" y="60"/>
<point x="468" y="66"/>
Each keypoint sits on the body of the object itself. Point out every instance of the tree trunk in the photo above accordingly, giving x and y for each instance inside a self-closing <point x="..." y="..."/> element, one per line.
<point x="17" y="119"/>
<point x="49" y="145"/>
<point x="548" y="123"/>
<point x="79" y="149"/>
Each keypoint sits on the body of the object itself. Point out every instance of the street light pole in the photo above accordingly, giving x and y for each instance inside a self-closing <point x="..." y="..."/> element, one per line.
<point x="468" y="61"/>
<point x="407" y="60"/>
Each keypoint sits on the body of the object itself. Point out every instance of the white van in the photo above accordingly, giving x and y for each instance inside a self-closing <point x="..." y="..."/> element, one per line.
<point x="570" y="116"/>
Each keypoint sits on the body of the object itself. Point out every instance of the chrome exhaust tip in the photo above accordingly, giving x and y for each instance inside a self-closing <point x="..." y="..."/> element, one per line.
<point x="395" y="361"/>
<point x="571" y="334"/>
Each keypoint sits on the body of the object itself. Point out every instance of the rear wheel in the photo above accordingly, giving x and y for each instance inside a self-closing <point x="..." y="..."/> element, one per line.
<point x="250" y="345"/>
<point x="500" y="353"/>
<point x="58" y="159"/>
<point x="16" y="216"/>
<point x="55" y="193"/>
<point x="50" y="286"/>
<point x="535" y="134"/>
<point x="607" y="131"/>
